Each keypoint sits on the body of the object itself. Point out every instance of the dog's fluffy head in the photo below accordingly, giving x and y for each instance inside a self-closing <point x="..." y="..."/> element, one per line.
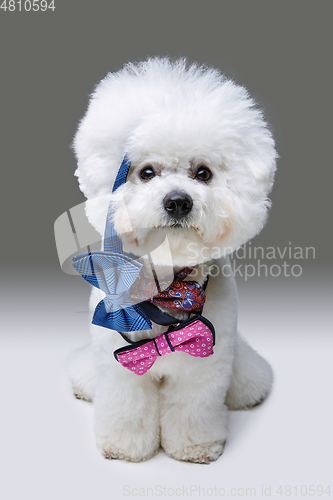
<point x="177" y="121"/>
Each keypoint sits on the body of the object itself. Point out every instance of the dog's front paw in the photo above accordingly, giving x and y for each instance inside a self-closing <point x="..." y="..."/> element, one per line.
<point x="132" y="439"/>
<point x="126" y="414"/>
<point x="203" y="453"/>
<point x="131" y="448"/>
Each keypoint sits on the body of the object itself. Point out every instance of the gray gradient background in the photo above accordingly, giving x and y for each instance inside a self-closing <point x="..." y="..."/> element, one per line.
<point x="281" y="51"/>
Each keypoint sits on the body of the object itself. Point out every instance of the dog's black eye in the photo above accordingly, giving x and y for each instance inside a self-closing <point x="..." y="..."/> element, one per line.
<point x="203" y="174"/>
<point x="147" y="173"/>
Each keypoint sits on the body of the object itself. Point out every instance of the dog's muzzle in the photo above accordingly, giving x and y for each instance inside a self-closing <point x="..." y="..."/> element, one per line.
<point x="177" y="204"/>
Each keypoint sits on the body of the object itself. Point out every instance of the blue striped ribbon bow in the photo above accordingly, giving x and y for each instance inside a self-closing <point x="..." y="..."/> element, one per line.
<point x="113" y="271"/>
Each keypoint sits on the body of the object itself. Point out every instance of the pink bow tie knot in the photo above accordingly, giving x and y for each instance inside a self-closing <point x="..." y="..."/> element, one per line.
<point x="196" y="339"/>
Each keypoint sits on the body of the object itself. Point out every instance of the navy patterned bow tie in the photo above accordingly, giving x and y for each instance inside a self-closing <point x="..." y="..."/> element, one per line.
<point x="115" y="272"/>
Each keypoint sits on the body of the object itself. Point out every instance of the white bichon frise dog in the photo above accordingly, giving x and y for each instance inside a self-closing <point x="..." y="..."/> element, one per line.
<point x="202" y="162"/>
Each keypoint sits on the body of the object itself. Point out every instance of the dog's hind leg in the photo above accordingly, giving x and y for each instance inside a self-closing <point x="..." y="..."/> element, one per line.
<point x="81" y="372"/>
<point x="251" y="379"/>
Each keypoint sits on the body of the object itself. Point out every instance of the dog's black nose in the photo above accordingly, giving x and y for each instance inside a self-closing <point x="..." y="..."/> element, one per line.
<point x="178" y="204"/>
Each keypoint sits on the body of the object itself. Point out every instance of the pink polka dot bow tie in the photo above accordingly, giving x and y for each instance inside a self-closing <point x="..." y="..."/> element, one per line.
<point x="195" y="337"/>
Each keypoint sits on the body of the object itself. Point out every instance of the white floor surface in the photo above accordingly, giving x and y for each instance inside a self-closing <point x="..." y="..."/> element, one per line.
<point x="282" y="448"/>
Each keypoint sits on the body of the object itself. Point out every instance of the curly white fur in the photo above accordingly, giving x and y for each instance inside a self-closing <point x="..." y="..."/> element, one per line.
<point x="175" y="119"/>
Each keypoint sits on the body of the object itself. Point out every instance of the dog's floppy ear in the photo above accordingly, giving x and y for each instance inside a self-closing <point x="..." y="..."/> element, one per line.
<point x="259" y="156"/>
<point x="96" y="168"/>
<point x="96" y="210"/>
<point x="245" y="139"/>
